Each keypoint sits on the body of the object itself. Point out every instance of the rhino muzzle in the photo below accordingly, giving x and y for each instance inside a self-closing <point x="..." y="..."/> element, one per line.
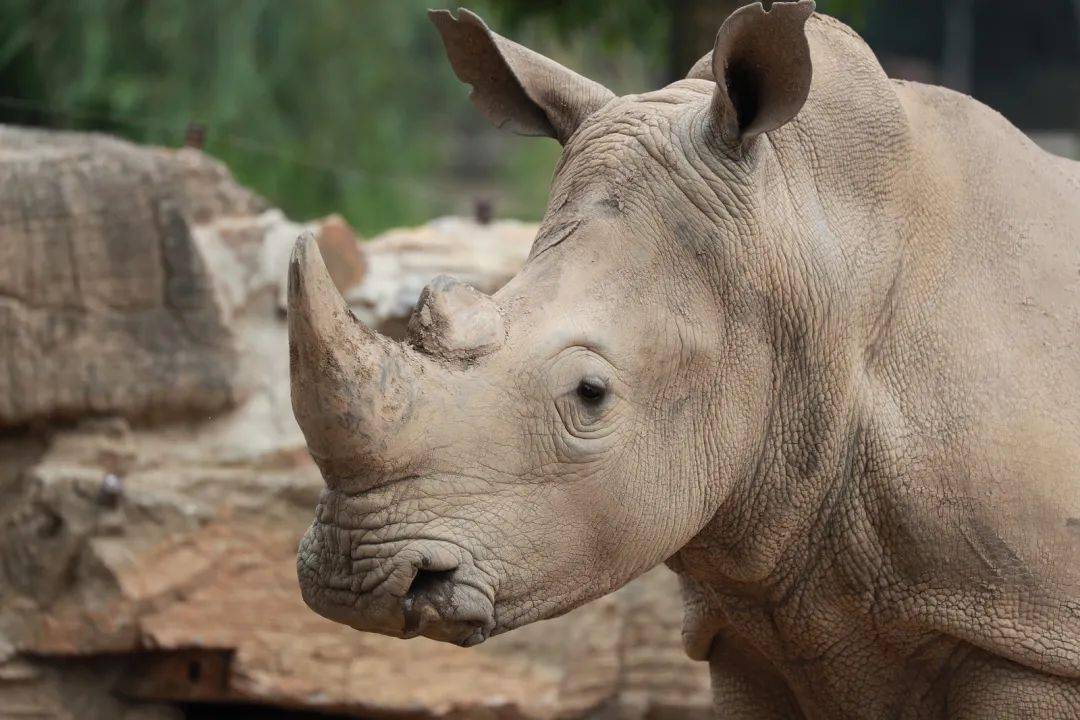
<point x="424" y="587"/>
<point x="360" y="399"/>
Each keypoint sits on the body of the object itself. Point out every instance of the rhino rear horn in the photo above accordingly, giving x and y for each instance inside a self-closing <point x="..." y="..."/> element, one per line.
<point x="513" y="86"/>
<point x="762" y="68"/>
<point x="455" y="321"/>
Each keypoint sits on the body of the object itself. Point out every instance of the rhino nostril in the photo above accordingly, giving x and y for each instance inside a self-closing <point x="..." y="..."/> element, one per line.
<point x="427" y="597"/>
<point x="428" y="580"/>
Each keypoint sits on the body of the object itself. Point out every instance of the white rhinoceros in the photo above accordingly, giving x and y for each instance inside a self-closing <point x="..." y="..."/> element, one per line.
<point x="807" y="334"/>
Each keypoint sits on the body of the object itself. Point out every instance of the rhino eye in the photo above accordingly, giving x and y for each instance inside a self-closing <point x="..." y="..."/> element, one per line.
<point x="592" y="390"/>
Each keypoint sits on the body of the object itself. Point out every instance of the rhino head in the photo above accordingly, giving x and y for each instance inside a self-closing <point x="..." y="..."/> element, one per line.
<point x="521" y="454"/>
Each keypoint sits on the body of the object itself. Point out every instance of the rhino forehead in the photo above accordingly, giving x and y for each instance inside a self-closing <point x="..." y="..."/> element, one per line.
<point x="637" y="125"/>
<point x="650" y="157"/>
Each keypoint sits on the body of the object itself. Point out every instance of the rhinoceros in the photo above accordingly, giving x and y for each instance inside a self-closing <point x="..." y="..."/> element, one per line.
<point x="806" y="334"/>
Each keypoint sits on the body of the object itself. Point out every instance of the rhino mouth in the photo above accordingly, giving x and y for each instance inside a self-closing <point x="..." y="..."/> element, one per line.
<point x="405" y="586"/>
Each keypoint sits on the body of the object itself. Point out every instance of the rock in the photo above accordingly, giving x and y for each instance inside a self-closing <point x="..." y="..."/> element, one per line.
<point x="77" y="689"/>
<point x="341" y="252"/>
<point x="143" y="566"/>
<point x="106" y="304"/>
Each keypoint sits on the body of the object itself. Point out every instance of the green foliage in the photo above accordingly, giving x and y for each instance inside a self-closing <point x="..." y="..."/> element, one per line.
<point x="853" y="12"/>
<point x="643" y="23"/>
<point x="646" y="23"/>
<point x="320" y="105"/>
<point x="675" y="33"/>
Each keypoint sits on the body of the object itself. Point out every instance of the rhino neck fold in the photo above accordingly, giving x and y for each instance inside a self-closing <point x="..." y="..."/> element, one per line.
<point x="769" y="541"/>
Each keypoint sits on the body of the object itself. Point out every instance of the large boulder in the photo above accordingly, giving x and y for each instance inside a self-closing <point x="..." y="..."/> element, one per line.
<point x="144" y="567"/>
<point x="106" y="305"/>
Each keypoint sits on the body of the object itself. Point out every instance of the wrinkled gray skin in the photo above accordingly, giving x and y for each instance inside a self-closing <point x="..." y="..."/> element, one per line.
<point x="815" y="343"/>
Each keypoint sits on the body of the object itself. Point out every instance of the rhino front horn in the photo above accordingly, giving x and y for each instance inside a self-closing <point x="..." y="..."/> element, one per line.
<point x="351" y="387"/>
<point x="454" y="321"/>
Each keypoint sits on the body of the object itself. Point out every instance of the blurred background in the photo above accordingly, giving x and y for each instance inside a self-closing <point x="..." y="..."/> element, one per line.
<point x="350" y="106"/>
<point x="153" y="481"/>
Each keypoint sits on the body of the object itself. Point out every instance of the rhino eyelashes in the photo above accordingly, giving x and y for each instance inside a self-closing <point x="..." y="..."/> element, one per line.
<point x="550" y="238"/>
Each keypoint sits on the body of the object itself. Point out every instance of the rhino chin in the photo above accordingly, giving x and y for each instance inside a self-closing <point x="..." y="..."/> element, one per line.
<point x="447" y="604"/>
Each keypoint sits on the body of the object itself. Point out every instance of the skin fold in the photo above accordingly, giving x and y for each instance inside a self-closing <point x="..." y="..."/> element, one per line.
<point x="809" y="335"/>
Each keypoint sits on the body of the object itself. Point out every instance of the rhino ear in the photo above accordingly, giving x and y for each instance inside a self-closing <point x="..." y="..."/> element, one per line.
<point x="761" y="64"/>
<point x="513" y="86"/>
